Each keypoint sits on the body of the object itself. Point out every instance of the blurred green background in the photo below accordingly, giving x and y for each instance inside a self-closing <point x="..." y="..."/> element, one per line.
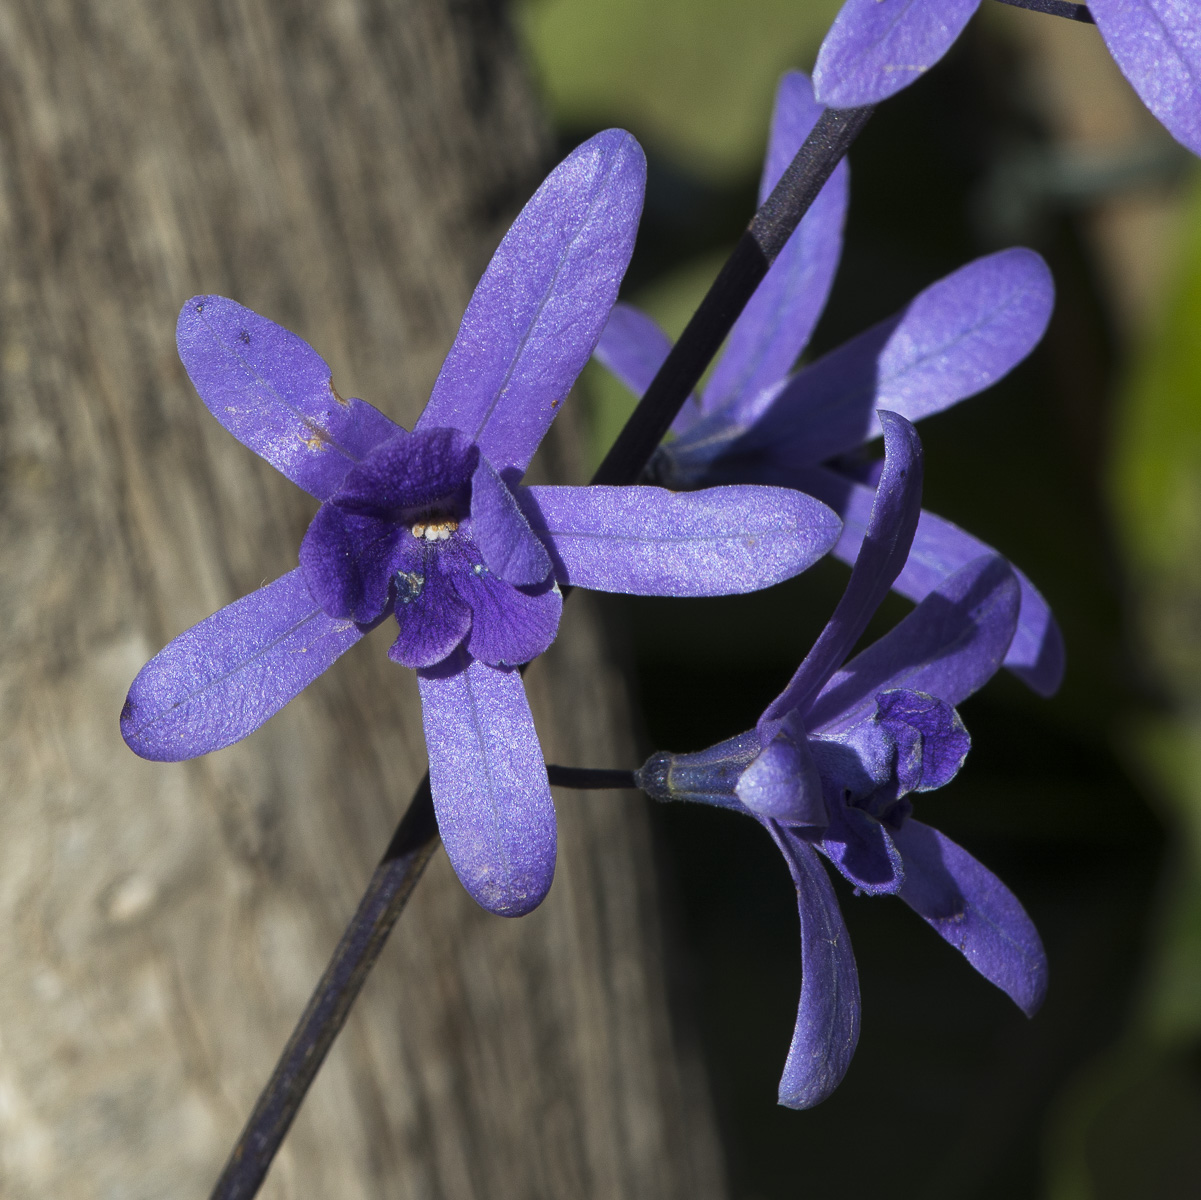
<point x="1084" y="466"/>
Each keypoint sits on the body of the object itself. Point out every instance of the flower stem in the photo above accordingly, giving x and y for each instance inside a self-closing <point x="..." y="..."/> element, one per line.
<point x="744" y="270"/>
<point x="594" y="779"/>
<point x="416" y="837"/>
<point x="1056" y="8"/>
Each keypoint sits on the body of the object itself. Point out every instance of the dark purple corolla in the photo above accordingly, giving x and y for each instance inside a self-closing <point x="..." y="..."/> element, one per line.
<point x="835" y="759"/>
<point x="756" y="422"/>
<point x="433" y="528"/>
<point x="877" y="47"/>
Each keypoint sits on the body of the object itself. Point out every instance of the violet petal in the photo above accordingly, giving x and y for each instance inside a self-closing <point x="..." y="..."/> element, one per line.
<point x="646" y="541"/>
<point x="411" y="472"/>
<point x="972" y="910"/>
<point x="541" y="305"/>
<point x="510" y="548"/>
<point x="877" y="47"/>
<point x="949" y="646"/>
<point x="954" y="339"/>
<point x="943" y="741"/>
<point x="1036" y="654"/>
<point x="862" y="850"/>
<point x="432" y="615"/>
<point x="220" y="680"/>
<point x="775" y="326"/>
<point x="348" y="561"/>
<point x="509" y="625"/>
<point x="274" y="393"/>
<point x="1157" y="44"/>
<point x="491" y="794"/>
<point x="885" y="548"/>
<point x="827" y="1024"/>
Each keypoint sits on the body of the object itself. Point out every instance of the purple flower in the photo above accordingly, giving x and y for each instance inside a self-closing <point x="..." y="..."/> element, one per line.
<point x="877" y="47"/>
<point x="756" y="422"/>
<point x="835" y="759"/>
<point x="433" y="528"/>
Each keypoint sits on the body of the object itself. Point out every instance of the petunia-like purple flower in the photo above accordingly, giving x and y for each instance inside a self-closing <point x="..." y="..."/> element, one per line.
<point x="756" y="422"/>
<point x="877" y="47"/>
<point x="835" y="759"/>
<point x="433" y="528"/>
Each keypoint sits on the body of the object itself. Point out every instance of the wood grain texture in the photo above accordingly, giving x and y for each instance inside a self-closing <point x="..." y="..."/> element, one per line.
<point x="345" y="168"/>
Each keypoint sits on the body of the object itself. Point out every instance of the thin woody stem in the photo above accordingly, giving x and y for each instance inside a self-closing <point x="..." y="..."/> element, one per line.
<point x="416" y="837"/>
<point x="1056" y="8"/>
<point x="594" y="779"/>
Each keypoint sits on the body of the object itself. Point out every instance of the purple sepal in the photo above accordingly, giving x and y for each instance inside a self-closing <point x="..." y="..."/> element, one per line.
<point x="954" y="339"/>
<point x="950" y="645"/>
<point x="941" y="741"/>
<point x="827" y="1024"/>
<point x="775" y="326"/>
<point x="885" y="548"/>
<point x="274" y="393"/>
<point x="221" y="679"/>
<point x="1157" y="44"/>
<point x="540" y="307"/>
<point x="508" y="545"/>
<point x="647" y="541"/>
<point x="862" y="850"/>
<point x="1036" y="654"/>
<point x="489" y="784"/>
<point x="705" y="777"/>
<point x="969" y="907"/>
<point x="877" y="47"/>
<point x="783" y="783"/>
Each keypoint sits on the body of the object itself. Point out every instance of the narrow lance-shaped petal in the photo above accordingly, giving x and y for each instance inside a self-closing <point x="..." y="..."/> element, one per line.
<point x="885" y="547"/>
<point x="489" y="784"/>
<point x="776" y="325"/>
<point x="972" y="910"/>
<point x="647" y="541"/>
<point x="540" y="307"/>
<point x="274" y="393"/>
<point x="827" y="1024"/>
<point x="950" y="645"/>
<point x="1036" y="654"/>
<point x="1157" y="44"/>
<point x="221" y="679"/>
<point x="877" y="47"/>
<point x="954" y="339"/>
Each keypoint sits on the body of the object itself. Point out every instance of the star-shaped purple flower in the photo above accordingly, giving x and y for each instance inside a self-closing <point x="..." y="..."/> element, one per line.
<point x="754" y="421"/>
<point x="877" y="47"/>
<point x="433" y="528"/>
<point x="836" y="757"/>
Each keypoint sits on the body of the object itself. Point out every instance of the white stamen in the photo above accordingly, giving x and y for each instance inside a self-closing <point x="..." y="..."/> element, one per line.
<point x="435" y="530"/>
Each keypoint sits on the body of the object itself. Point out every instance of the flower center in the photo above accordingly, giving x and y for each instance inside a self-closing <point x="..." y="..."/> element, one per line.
<point x="434" y="529"/>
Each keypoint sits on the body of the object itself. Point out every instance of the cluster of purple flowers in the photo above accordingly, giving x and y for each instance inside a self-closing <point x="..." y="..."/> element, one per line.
<point x="435" y="529"/>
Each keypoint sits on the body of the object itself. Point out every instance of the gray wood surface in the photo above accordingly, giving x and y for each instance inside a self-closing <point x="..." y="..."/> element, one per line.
<point x="345" y="168"/>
